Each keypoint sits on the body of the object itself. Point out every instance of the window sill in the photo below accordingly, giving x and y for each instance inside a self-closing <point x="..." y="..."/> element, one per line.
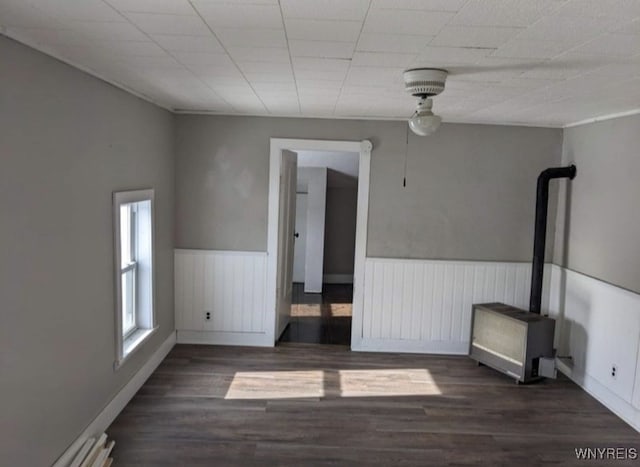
<point x="133" y="343"/>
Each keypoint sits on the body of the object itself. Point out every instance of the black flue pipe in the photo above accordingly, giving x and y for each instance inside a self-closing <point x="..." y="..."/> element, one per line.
<point x="540" y="233"/>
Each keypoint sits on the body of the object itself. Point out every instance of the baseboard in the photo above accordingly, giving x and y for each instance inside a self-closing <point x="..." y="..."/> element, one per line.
<point x="602" y="394"/>
<point x="119" y="402"/>
<point x="410" y="346"/>
<point x="337" y="279"/>
<point x="258" y="339"/>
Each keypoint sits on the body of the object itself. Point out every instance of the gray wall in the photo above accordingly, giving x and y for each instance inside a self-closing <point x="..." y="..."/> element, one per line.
<point x="470" y="191"/>
<point x="67" y="141"/>
<point x="340" y="230"/>
<point x="599" y="234"/>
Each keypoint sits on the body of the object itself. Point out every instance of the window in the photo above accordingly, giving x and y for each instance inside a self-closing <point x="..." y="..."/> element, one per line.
<point x="133" y="214"/>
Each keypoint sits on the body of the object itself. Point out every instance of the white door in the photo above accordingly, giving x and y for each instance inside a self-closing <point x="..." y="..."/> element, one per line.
<point x="300" y="250"/>
<point x="286" y="224"/>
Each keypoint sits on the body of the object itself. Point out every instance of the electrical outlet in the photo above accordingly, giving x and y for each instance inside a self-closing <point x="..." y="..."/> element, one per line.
<point x="207" y="315"/>
<point x="614" y="371"/>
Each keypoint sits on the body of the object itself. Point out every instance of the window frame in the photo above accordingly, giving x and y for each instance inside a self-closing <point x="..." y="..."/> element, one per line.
<point x="145" y="326"/>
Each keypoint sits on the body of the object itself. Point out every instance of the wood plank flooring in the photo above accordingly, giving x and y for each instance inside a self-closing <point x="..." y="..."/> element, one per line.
<point x="306" y="404"/>
<point x="320" y="318"/>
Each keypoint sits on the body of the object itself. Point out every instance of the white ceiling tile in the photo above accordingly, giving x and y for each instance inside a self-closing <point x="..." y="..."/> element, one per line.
<point x="308" y="29"/>
<point x="531" y="49"/>
<point x="461" y="36"/>
<point x="176" y="43"/>
<point x="622" y="45"/>
<point x="426" y="23"/>
<point x="249" y="2"/>
<point x="321" y="64"/>
<point x="168" y="7"/>
<point x="310" y="84"/>
<point x="27" y="15"/>
<point x="152" y="23"/>
<point x="275" y="88"/>
<point x="508" y="13"/>
<point x="50" y="36"/>
<point x="257" y="54"/>
<point x="321" y="49"/>
<point x="385" y="59"/>
<point x="347" y="10"/>
<point x="453" y="54"/>
<point x="264" y="67"/>
<point x="107" y="30"/>
<point x="231" y="15"/>
<point x="85" y="10"/>
<point x="325" y="75"/>
<point x="554" y="70"/>
<point x="201" y="58"/>
<point x="374" y="76"/>
<point x="266" y="78"/>
<point x="527" y="83"/>
<point x="601" y="8"/>
<point x="567" y="29"/>
<point x="109" y="50"/>
<point x="400" y="43"/>
<point x="254" y="37"/>
<point x="431" y="5"/>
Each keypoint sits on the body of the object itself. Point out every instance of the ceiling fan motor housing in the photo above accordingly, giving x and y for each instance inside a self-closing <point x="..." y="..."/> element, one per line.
<point x="424" y="82"/>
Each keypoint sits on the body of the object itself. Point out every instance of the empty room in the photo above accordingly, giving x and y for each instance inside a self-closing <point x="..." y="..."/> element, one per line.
<point x="319" y="232"/>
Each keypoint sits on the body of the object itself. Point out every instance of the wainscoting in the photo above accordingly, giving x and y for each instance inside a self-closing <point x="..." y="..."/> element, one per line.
<point x="425" y="305"/>
<point x="231" y="287"/>
<point x="598" y="325"/>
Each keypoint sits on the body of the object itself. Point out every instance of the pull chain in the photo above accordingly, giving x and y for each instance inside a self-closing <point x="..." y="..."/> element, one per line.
<point x="406" y="156"/>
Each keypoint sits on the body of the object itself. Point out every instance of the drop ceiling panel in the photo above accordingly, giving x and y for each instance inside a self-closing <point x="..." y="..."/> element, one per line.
<point x="315" y="30"/>
<point x="321" y="49"/>
<point x="152" y="23"/>
<point x="400" y="43"/>
<point x="349" y="10"/>
<point x="431" y="5"/>
<point x="540" y="62"/>
<point x="504" y="13"/>
<point x="254" y="37"/>
<point x="231" y="15"/>
<point x="182" y="43"/>
<point x="418" y="22"/>
<point x="464" y="36"/>
<point x="168" y="7"/>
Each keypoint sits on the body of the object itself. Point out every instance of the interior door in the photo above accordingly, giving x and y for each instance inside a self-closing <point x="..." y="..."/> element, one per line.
<point x="300" y="249"/>
<point x="286" y="224"/>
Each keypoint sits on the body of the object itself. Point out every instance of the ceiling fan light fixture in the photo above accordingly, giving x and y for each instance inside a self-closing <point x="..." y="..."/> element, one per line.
<point x="424" y="83"/>
<point x="424" y="122"/>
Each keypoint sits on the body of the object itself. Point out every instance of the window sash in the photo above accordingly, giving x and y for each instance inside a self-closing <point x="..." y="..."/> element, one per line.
<point x="129" y="310"/>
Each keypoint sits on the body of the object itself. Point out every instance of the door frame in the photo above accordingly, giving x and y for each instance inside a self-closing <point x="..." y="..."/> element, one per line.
<point x="275" y="161"/>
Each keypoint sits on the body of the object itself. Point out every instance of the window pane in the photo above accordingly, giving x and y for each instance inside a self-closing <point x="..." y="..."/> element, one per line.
<point x="125" y="234"/>
<point x="128" y="301"/>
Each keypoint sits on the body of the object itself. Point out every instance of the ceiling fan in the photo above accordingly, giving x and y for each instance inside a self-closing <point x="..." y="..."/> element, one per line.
<point x="424" y="83"/>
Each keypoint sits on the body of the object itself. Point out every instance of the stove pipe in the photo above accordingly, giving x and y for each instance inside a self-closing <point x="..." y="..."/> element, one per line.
<point x="540" y="234"/>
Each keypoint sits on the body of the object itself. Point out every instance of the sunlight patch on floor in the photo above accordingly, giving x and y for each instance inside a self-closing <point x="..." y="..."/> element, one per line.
<point x="317" y="309"/>
<point x="332" y="383"/>
<point x="276" y="385"/>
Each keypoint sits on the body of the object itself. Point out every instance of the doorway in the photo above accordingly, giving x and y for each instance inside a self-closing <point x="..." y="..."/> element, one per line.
<point x="280" y="248"/>
<point x="324" y="248"/>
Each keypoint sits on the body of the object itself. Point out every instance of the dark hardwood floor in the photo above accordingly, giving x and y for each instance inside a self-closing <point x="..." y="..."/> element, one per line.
<point x="320" y="318"/>
<point x="305" y="404"/>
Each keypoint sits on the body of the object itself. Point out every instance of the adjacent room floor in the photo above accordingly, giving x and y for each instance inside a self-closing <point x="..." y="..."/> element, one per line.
<point x="305" y="404"/>
<point x="320" y="318"/>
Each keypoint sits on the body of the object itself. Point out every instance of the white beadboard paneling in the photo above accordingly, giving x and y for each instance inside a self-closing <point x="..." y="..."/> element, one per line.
<point x="425" y="305"/>
<point x="598" y="325"/>
<point x="231" y="285"/>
